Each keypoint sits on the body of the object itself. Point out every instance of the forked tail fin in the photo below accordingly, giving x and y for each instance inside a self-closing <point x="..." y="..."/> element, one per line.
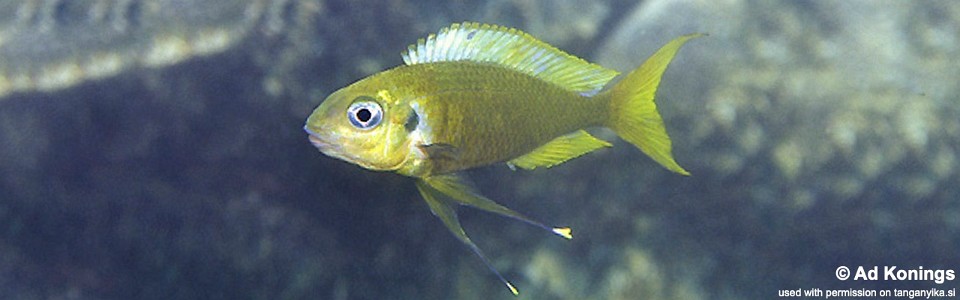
<point x="633" y="114"/>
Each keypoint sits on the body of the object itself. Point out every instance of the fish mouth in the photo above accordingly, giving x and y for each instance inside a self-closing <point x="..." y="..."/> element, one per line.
<point x="326" y="147"/>
<point x="329" y="146"/>
<point x="319" y="142"/>
<point x="329" y="149"/>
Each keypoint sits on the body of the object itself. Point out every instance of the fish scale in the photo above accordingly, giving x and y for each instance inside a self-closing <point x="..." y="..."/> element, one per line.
<point x="489" y="101"/>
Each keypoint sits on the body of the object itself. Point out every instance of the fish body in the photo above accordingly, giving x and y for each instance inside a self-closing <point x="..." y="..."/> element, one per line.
<point x="475" y="95"/>
<point x="481" y="113"/>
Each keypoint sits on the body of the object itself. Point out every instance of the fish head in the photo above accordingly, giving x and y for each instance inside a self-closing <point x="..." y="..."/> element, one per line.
<point x="361" y="125"/>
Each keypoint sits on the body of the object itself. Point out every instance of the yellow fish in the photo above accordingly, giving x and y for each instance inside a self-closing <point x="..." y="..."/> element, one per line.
<point x="478" y="94"/>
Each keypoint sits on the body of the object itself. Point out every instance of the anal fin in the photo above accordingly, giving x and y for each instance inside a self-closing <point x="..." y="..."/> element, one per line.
<point x="559" y="150"/>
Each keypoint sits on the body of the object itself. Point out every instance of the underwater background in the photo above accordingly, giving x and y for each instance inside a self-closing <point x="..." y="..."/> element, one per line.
<point x="154" y="150"/>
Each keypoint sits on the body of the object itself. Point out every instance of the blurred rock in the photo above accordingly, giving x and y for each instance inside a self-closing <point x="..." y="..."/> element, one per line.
<point x="50" y="44"/>
<point x="805" y="87"/>
<point x="818" y="134"/>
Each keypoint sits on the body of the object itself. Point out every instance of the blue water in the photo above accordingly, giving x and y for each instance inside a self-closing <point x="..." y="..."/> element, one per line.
<point x="820" y="135"/>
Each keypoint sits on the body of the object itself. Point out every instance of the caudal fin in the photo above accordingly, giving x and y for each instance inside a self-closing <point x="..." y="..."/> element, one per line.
<point x="633" y="114"/>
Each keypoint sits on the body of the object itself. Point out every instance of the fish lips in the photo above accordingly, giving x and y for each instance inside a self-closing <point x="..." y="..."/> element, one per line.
<point x="317" y="142"/>
<point x="326" y="147"/>
<point x="321" y="144"/>
<point x="329" y="145"/>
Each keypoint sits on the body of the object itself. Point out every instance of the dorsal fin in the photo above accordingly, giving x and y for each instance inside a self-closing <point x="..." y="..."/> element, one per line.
<point x="509" y="48"/>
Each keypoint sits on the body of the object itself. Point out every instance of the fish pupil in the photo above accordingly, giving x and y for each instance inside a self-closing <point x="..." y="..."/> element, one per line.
<point x="364" y="115"/>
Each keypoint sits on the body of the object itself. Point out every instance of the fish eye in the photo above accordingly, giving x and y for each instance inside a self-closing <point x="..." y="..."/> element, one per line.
<point x="364" y="113"/>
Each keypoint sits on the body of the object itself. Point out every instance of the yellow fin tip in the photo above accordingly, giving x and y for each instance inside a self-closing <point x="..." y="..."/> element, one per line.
<point x="565" y="232"/>
<point x="512" y="288"/>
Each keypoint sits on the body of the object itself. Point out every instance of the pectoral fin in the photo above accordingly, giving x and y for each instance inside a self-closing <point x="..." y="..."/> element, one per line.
<point x="441" y="151"/>
<point x="559" y="150"/>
